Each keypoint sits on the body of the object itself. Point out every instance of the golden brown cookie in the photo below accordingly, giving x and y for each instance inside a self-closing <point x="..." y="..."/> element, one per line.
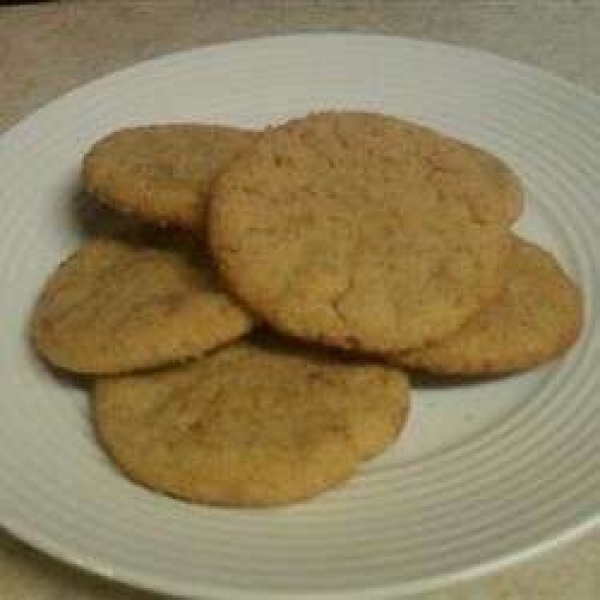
<point x="115" y="306"/>
<point x="538" y="317"/>
<point x="250" y="424"/>
<point x="335" y="228"/>
<point x="162" y="173"/>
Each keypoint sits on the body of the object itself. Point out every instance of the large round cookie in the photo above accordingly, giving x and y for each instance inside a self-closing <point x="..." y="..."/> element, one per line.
<point x="249" y="424"/>
<point x="162" y="173"/>
<point x="115" y="306"/>
<point x="335" y="228"/>
<point x="537" y="317"/>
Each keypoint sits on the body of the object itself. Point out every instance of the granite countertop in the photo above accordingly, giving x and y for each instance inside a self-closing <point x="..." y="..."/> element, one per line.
<point x="49" y="48"/>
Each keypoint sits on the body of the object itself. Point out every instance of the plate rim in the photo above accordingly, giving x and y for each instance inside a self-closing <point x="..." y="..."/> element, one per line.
<point x="472" y="51"/>
<point x="150" y="583"/>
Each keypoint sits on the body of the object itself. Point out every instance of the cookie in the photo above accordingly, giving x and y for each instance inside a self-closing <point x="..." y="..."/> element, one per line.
<point x="538" y="317"/>
<point x="116" y="306"/>
<point x="250" y="425"/>
<point x="334" y="228"/>
<point x="162" y="173"/>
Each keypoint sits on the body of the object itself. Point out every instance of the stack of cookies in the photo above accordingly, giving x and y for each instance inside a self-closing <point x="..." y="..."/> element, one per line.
<point x="343" y="247"/>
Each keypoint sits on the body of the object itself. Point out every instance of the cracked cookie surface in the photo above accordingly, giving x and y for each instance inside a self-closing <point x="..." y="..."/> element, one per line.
<point x="250" y="424"/>
<point x="358" y="230"/>
<point x="162" y="173"/>
<point x="117" y="306"/>
<point x="536" y="318"/>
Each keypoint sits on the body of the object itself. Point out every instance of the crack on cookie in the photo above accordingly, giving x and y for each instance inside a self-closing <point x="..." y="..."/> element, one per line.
<point x="336" y="301"/>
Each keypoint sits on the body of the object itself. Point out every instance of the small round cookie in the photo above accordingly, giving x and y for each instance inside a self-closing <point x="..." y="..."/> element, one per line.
<point x="538" y="317"/>
<point x="334" y="228"/>
<point x="162" y="173"/>
<point x="249" y="425"/>
<point x="116" y="306"/>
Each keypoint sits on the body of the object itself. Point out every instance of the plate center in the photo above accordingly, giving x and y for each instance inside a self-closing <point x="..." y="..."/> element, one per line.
<point x="448" y="413"/>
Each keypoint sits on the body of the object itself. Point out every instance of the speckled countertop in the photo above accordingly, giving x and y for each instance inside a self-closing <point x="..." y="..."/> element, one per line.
<point x="50" y="48"/>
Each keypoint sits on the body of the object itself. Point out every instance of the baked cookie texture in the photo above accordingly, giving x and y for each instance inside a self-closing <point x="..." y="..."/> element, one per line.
<point x="497" y="193"/>
<point x="162" y="173"/>
<point x="537" y="317"/>
<point x="360" y="231"/>
<point x="250" y="424"/>
<point x="116" y="306"/>
<point x="382" y="238"/>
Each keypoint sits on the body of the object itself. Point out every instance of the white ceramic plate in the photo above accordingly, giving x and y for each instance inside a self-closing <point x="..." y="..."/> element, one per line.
<point x="486" y="473"/>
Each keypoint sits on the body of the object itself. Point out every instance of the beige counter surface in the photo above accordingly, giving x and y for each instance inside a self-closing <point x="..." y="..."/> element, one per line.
<point x="48" y="49"/>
